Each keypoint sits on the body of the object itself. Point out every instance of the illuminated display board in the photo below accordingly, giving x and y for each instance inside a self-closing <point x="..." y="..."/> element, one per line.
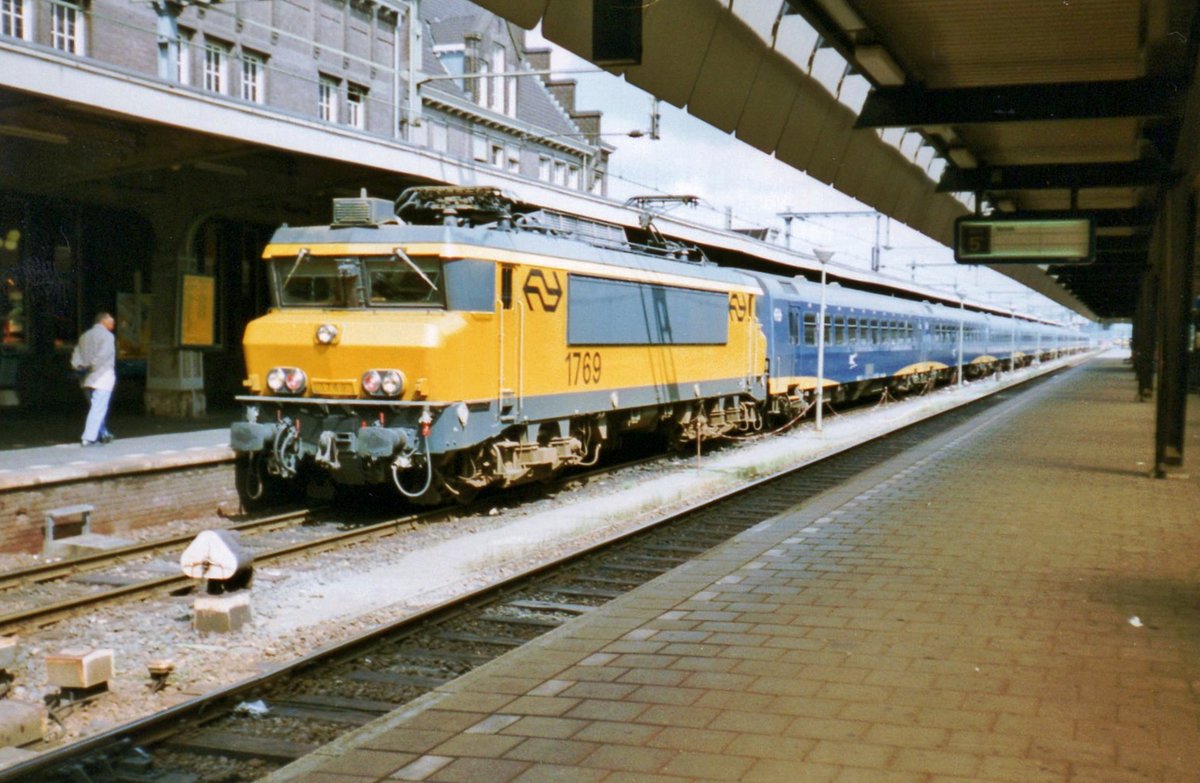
<point x="1000" y="240"/>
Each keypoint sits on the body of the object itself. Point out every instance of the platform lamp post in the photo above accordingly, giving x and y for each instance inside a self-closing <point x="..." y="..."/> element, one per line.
<point x="823" y="256"/>
<point x="962" y="314"/>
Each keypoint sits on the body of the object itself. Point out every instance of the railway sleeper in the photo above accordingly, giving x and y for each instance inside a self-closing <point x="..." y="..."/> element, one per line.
<point x="399" y="678"/>
<point x="633" y="569"/>
<point x="688" y="548"/>
<point x="589" y="592"/>
<point x="328" y="701"/>
<point x="475" y="638"/>
<point x="605" y="580"/>
<point x="666" y="563"/>
<point x="535" y="622"/>
<point x="471" y="659"/>
<point x="327" y="714"/>
<point x="231" y="743"/>
<point x="550" y="606"/>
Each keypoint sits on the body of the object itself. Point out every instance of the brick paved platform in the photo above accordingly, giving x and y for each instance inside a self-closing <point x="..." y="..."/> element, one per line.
<point x="1016" y="601"/>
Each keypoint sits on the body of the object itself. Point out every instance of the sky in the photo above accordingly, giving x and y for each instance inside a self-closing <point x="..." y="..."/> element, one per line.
<point x="694" y="158"/>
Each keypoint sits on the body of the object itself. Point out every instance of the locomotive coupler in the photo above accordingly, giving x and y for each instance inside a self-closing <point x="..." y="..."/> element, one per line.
<point x="381" y="442"/>
<point x="251" y="436"/>
<point x="327" y="451"/>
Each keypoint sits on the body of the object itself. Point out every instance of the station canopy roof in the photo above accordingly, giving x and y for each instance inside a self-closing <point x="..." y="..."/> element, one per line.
<point x="1030" y="107"/>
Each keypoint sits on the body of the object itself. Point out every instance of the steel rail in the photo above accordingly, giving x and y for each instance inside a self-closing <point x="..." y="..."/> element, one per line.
<point x="47" y="614"/>
<point x="48" y="572"/>
<point x="203" y="708"/>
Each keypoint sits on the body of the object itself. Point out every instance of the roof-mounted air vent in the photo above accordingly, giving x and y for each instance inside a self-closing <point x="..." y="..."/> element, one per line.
<point x="363" y="211"/>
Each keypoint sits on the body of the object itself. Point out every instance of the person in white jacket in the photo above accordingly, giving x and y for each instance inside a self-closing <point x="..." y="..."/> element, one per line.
<point x="96" y="354"/>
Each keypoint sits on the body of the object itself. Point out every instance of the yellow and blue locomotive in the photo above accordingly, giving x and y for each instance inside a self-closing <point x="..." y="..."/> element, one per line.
<point x="459" y="346"/>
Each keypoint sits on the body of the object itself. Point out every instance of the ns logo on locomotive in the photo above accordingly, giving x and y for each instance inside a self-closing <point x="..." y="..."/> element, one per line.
<point x="447" y="343"/>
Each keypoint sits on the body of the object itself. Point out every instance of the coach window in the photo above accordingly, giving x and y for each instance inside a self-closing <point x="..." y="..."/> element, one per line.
<point x="810" y="329"/>
<point x="793" y="327"/>
<point x="852" y="330"/>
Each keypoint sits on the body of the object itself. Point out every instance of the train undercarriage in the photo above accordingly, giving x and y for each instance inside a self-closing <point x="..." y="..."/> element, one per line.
<point x="307" y="449"/>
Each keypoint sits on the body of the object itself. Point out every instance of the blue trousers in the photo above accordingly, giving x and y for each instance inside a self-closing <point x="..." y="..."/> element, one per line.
<point x="95" y="428"/>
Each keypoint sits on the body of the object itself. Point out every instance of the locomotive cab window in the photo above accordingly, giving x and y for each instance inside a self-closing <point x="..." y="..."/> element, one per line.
<point x="356" y="281"/>
<point x="391" y="283"/>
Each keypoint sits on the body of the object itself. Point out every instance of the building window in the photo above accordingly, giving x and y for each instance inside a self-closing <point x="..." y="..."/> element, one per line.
<point x="479" y="148"/>
<point x="12" y="19"/>
<point x="356" y="106"/>
<point x="513" y="163"/>
<point x="183" y="58"/>
<point x="543" y="168"/>
<point x="254" y="69"/>
<point x="560" y="173"/>
<point x="327" y="95"/>
<point x="573" y="177"/>
<point x="510" y="96"/>
<point x="215" y="57"/>
<point x="598" y="183"/>
<point x="439" y="136"/>
<point x="66" y="28"/>
<point x="453" y="59"/>
<point x="497" y="156"/>
<point x="495" y="84"/>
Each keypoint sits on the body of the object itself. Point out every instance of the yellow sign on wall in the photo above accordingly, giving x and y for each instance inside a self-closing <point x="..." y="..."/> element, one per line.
<point x="197" y="311"/>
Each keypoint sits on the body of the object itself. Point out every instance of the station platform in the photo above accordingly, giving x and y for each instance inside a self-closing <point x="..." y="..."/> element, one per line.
<point x="1016" y="600"/>
<point x="157" y="470"/>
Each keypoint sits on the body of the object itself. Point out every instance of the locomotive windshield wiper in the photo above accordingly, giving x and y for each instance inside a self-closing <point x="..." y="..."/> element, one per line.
<point x="300" y="259"/>
<point x="400" y="255"/>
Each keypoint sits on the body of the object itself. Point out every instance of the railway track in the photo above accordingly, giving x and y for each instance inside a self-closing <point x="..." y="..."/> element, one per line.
<point x="244" y="730"/>
<point x="139" y="573"/>
<point x="65" y="569"/>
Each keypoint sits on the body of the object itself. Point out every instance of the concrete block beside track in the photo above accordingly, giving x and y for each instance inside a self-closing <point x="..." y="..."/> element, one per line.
<point x="221" y="613"/>
<point x="79" y="667"/>
<point x="21" y="722"/>
<point x="8" y="652"/>
<point x="83" y="545"/>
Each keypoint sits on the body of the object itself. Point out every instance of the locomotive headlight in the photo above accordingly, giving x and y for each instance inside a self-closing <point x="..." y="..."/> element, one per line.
<point x="393" y="382"/>
<point x="371" y="382"/>
<point x="287" y="380"/>
<point x="295" y="380"/>
<point x="327" y="334"/>
<point x="383" y="383"/>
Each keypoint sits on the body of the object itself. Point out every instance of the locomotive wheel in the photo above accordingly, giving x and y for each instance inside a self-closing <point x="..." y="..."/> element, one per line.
<point x="257" y="490"/>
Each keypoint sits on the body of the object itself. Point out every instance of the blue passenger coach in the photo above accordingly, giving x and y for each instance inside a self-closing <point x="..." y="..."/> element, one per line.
<point x="876" y="343"/>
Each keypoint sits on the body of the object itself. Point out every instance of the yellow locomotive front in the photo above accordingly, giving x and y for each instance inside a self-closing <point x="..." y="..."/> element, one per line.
<point x="373" y="327"/>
